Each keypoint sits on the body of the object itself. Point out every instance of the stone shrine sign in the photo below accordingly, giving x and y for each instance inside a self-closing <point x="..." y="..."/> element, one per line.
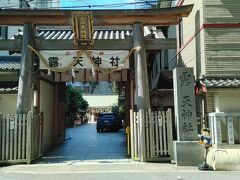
<point x="184" y="103"/>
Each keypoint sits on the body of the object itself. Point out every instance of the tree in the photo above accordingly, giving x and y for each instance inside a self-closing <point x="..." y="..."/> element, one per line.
<point x="74" y="103"/>
<point x="93" y="86"/>
<point x="119" y="112"/>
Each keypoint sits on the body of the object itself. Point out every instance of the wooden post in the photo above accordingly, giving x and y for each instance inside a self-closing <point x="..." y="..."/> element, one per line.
<point x="15" y="136"/>
<point x="128" y="100"/>
<point x="7" y="137"/>
<point x="132" y="133"/>
<point x="164" y="133"/>
<point x="142" y="135"/>
<point x="140" y="66"/>
<point x="151" y="132"/>
<point x="25" y="77"/>
<point x="157" y="135"/>
<point x="29" y="138"/>
<point x="135" y="135"/>
<point x="132" y="90"/>
<point x="19" y="130"/>
<point x="169" y="132"/>
<point x="147" y="115"/>
<point x="160" y="128"/>
<point x="3" y="137"/>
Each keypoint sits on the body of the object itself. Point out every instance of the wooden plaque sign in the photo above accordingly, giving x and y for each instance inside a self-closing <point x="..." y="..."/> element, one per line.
<point x="82" y="24"/>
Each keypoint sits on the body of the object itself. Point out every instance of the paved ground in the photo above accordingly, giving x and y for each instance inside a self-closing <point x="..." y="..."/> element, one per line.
<point x="89" y="155"/>
<point x="85" y="144"/>
<point x="110" y="171"/>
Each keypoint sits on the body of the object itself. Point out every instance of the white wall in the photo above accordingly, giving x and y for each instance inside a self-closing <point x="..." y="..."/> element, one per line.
<point x="103" y="88"/>
<point x="101" y="100"/>
<point x="8" y="103"/>
<point x="46" y="106"/>
<point x="227" y="101"/>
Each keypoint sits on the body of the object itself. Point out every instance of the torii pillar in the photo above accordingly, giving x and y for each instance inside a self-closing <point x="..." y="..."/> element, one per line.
<point x="140" y="66"/>
<point x="25" y="77"/>
<point x="141" y="80"/>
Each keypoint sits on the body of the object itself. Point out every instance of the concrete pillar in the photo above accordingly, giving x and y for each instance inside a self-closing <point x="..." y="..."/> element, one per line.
<point x="140" y="66"/>
<point x="25" y="78"/>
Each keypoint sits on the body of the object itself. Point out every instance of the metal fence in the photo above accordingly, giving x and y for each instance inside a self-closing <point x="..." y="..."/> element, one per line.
<point x="20" y="138"/>
<point x="151" y="135"/>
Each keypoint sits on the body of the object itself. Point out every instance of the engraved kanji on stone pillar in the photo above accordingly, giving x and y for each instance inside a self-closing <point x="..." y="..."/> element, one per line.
<point x="184" y="102"/>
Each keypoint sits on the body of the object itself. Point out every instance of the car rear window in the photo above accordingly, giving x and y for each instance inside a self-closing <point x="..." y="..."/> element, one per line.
<point x="106" y="115"/>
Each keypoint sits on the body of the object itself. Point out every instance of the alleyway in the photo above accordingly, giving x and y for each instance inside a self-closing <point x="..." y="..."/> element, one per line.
<point x="85" y="144"/>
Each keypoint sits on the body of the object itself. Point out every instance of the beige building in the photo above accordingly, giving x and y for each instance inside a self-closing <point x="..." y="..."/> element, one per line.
<point x="209" y="41"/>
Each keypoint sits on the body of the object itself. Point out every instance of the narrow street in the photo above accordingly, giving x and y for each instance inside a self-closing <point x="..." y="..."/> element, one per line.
<point x="109" y="171"/>
<point x="83" y="143"/>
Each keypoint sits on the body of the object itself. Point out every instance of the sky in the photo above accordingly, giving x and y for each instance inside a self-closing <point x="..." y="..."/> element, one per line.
<point x="80" y="3"/>
<point x="84" y="4"/>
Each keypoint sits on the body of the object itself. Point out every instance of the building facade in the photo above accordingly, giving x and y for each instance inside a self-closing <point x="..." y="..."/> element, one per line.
<point x="161" y="79"/>
<point x="209" y="41"/>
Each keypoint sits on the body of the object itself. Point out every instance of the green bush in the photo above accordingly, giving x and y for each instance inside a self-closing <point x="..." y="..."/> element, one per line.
<point x="74" y="102"/>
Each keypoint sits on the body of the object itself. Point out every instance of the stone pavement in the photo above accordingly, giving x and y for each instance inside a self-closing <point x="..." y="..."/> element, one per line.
<point x="87" y="151"/>
<point x="85" y="144"/>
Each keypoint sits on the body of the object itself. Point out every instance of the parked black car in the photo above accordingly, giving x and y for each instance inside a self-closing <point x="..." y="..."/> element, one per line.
<point x="107" y="122"/>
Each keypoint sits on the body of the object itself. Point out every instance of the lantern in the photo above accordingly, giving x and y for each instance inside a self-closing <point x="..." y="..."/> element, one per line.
<point x="155" y="98"/>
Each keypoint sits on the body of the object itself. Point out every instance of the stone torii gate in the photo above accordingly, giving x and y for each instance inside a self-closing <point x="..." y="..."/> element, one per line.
<point x="30" y="19"/>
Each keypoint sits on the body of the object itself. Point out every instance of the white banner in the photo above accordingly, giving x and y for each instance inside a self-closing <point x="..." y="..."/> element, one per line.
<point x="81" y="59"/>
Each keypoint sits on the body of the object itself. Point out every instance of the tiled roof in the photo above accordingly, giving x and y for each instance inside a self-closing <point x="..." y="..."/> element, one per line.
<point x="68" y="34"/>
<point x="8" y="87"/>
<point x="10" y="63"/>
<point x="221" y="83"/>
<point x="8" y="90"/>
<point x="65" y="33"/>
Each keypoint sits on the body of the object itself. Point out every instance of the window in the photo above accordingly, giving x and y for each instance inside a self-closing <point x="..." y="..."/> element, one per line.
<point x="3" y="32"/>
